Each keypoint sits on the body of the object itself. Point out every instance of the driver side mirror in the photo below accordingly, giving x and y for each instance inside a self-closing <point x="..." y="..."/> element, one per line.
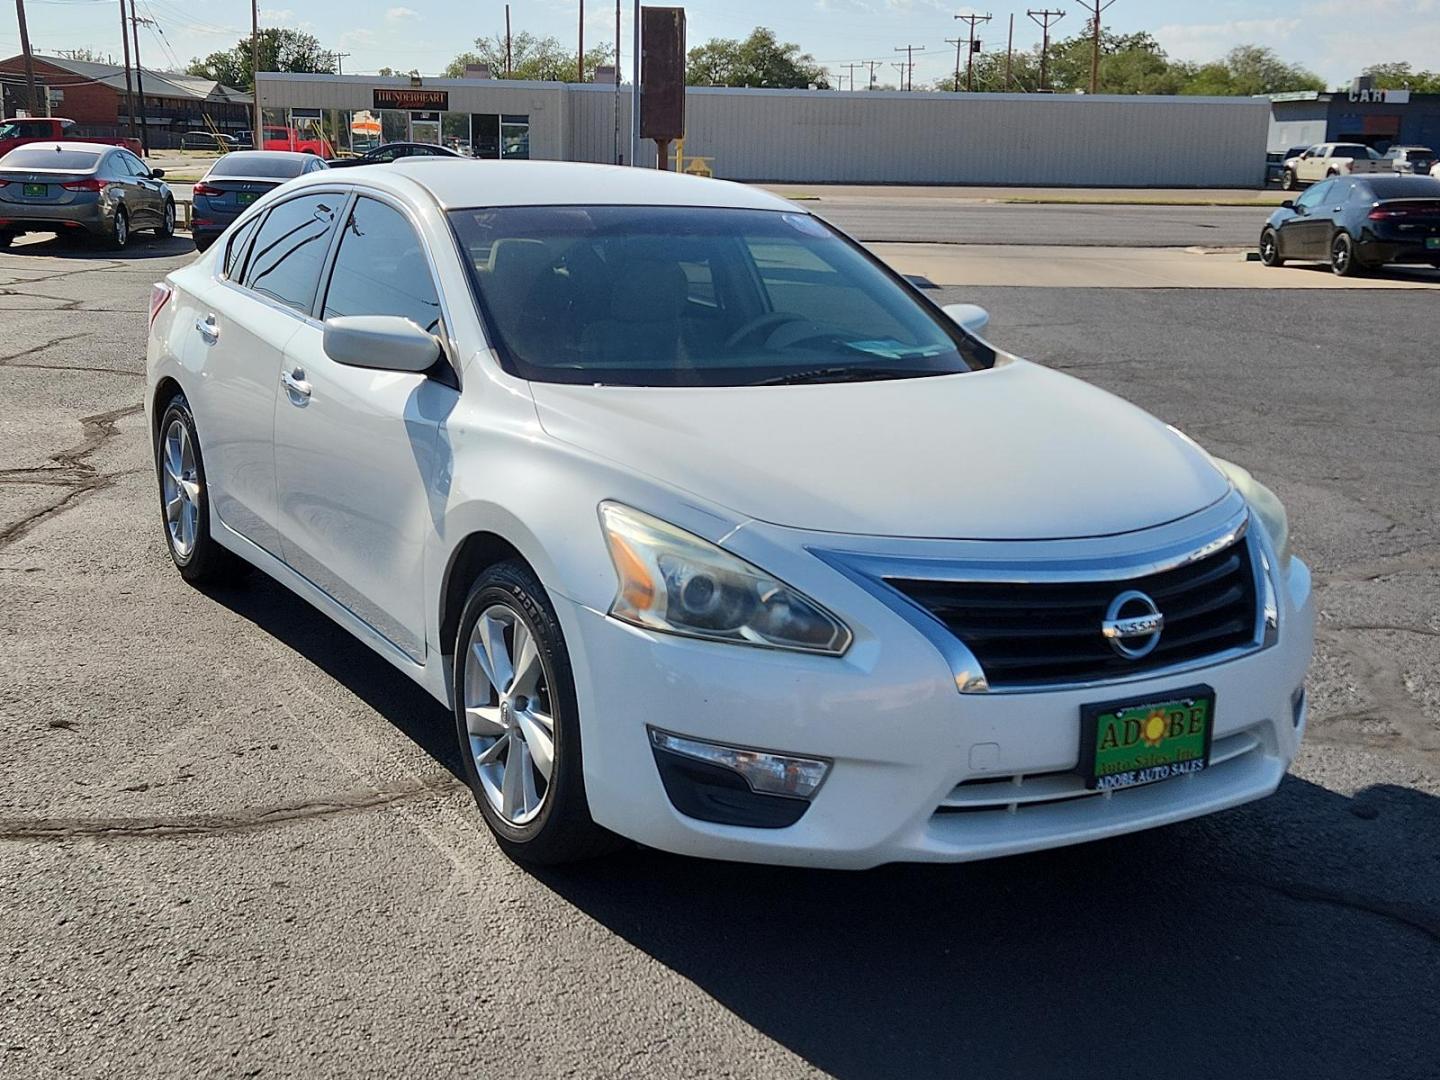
<point x="1288" y="204"/>
<point x="971" y="317"/>
<point x="156" y="174"/>
<point x="380" y="342"/>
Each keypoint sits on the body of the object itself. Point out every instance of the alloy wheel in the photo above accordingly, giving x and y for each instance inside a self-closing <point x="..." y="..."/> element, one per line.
<point x="180" y="486"/>
<point x="508" y="714"/>
<point x="1268" y="250"/>
<point x="122" y="230"/>
<point x="1340" y="255"/>
<point x="169" y="226"/>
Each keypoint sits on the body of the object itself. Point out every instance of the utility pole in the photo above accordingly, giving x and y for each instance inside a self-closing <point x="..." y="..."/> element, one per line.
<point x="580" y="51"/>
<point x="617" y="82"/>
<point x="1096" y="10"/>
<point x="872" y="63"/>
<point x="135" y="23"/>
<point x="900" y="67"/>
<point x="852" y="68"/>
<point x="957" y="42"/>
<point x="1045" y="19"/>
<point x="29" y="58"/>
<point x="1010" y="53"/>
<point x="635" y="91"/>
<point x="971" y="21"/>
<point x="910" y="51"/>
<point x="256" y="119"/>
<point x="129" y="92"/>
<point x="339" y="58"/>
<point x="507" y="41"/>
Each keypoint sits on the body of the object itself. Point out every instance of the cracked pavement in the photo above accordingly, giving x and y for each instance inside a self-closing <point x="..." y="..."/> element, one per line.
<point x="232" y="842"/>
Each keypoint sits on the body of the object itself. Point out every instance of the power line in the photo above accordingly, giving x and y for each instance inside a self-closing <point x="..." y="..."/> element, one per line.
<point x="1045" y="19"/>
<point x="972" y="21"/>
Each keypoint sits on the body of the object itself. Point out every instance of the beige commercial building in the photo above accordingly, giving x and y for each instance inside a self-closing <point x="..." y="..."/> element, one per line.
<point x="810" y="136"/>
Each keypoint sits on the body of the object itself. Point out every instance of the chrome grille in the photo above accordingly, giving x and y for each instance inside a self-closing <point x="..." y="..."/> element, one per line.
<point x="1041" y="633"/>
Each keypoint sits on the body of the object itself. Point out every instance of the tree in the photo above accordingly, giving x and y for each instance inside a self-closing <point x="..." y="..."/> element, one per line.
<point x="88" y="55"/>
<point x="533" y="58"/>
<point x="1129" y="64"/>
<point x="388" y="71"/>
<point x="1248" y="70"/>
<point x="1398" y="76"/>
<point x="759" y="60"/>
<point x="281" y="49"/>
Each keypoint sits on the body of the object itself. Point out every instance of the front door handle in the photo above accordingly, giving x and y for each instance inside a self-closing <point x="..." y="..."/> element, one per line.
<point x="296" y="386"/>
<point x="209" y="329"/>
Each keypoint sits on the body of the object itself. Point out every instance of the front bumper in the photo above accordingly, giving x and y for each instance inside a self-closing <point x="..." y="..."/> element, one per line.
<point x="903" y="742"/>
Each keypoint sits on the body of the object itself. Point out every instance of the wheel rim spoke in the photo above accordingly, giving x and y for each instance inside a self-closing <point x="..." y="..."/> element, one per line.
<point x="492" y="653"/>
<point x="527" y="662"/>
<point x="539" y="744"/>
<point x="513" y="789"/>
<point x="488" y="755"/>
<point x="484" y="720"/>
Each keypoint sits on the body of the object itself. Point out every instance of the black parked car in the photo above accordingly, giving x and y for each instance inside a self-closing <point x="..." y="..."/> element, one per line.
<point x="388" y="152"/>
<point x="1358" y="223"/>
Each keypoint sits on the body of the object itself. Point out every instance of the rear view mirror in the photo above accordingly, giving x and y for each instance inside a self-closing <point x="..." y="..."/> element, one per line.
<point x="381" y="342"/>
<point x="971" y="317"/>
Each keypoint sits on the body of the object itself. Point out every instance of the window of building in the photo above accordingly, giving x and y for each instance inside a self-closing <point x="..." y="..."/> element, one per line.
<point x="381" y="269"/>
<point x="515" y="137"/>
<point x="290" y="249"/>
<point x="485" y="135"/>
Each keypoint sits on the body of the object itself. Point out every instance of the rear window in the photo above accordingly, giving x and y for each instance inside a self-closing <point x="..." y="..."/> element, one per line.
<point x="241" y="166"/>
<point x="1352" y="152"/>
<point x="34" y="157"/>
<point x="1407" y="187"/>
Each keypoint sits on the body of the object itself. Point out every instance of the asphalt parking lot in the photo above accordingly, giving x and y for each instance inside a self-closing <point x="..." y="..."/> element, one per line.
<point x="232" y="841"/>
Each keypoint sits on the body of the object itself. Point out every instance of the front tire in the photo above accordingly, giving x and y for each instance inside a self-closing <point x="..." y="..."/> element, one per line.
<point x="1343" y="260"/>
<point x="6" y="239"/>
<point x="1270" y="248"/>
<point x="1289" y="181"/>
<point x="185" y="501"/>
<point x="517" y="724"/>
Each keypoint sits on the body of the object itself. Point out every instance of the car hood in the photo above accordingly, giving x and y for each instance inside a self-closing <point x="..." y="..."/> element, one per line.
<point x="1015" y="452"/>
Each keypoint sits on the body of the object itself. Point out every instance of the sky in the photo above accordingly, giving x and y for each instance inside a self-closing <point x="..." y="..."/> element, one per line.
<point x="1335" y="38"/>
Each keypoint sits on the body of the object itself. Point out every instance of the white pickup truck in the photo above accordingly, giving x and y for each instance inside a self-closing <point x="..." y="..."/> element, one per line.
<point x="1325" y="160"/>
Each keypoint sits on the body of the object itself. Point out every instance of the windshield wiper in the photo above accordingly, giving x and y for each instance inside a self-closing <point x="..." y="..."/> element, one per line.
<point x="848" y="373"/>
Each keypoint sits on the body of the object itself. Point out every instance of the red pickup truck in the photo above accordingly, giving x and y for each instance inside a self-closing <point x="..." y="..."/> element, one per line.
<point x="28" y="129"/>
<point x="297" y="142"/>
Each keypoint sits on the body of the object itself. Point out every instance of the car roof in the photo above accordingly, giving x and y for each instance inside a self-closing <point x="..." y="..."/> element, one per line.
<point x="1383" y="180"/>
<point x="460" y="182"/>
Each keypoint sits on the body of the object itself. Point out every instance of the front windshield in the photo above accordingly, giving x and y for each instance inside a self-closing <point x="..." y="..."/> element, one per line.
<point x="696" y="296"/>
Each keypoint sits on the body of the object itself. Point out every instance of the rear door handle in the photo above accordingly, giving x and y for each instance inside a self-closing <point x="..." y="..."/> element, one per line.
<point x="295" y="384"/>
<point x="209" y="329"/>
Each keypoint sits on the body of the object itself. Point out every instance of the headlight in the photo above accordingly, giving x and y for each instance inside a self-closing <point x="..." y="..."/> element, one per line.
<point x="1267" y="507"/>
<point x="673" y="581"/>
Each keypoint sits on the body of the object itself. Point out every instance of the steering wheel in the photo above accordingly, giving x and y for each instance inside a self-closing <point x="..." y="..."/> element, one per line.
<point x="769" y="322"/>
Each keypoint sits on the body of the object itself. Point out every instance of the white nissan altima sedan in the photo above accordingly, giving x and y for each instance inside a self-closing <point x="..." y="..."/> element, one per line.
<point x="713" y="532"/>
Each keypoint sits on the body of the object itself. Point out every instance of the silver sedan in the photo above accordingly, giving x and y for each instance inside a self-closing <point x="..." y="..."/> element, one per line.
<point x="86" y="188"/>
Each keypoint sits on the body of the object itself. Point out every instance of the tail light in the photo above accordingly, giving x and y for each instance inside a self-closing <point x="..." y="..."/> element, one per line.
<point x="1382" y="212"/>
<point x="4" y="183"/>
<point x="160" y="294"/>
<point x="90" y="183"/>
<point x="203" y="188"/>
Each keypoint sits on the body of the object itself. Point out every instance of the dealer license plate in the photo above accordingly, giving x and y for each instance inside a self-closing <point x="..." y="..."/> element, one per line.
<point x="1140" y="741"/>
<point x="245" y="198"/>
<point x="37" y="191"/>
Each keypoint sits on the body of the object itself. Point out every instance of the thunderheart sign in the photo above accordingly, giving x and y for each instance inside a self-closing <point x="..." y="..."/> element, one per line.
<point x="397" y="97"/>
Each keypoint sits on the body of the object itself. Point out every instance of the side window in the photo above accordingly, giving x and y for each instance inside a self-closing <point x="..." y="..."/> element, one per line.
<point x="289" y="249"/>
<point x="134" y="165"/>
<point x="237" y="247"/>
<point x="1316" y="195"/>
<point x="381" y="269"/>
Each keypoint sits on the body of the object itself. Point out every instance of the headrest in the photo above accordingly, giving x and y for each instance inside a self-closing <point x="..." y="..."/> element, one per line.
<point x="648" y="291"/>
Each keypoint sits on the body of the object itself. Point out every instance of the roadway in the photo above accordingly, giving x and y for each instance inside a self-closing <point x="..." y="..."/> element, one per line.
<point x="232" y="841"/>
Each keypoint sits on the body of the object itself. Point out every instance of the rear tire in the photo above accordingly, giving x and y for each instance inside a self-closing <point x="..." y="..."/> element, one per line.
<point x="120" y="235"/>
<point x="507" y="731"/>
<point x="6" y="239"/>
<point x="185" y="501"/>
<point x="1343" y="260"/>
<point x="167" y="221"/>
<point x="203" y="242"/>
<point x="1288" y="180"/>
<point x="1270" y="248"/>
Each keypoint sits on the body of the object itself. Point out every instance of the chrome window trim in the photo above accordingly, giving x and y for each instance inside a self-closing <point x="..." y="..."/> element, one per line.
<point x="873" y="573"/>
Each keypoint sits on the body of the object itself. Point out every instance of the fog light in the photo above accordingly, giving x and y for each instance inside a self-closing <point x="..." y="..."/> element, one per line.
<point x="769" y="774"/>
